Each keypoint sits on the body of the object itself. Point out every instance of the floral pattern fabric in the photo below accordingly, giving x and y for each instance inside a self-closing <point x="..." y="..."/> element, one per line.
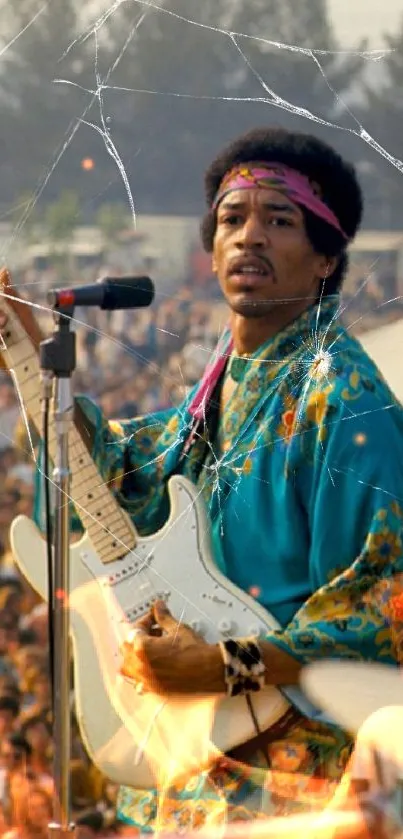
<point x="303" y="483"/>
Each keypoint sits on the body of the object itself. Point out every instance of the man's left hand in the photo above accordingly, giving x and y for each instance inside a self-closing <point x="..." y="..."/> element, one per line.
<point x="176" y="660"/>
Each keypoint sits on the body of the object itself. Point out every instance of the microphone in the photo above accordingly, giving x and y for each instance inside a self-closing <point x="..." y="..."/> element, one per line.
<point x="108" y="293"/>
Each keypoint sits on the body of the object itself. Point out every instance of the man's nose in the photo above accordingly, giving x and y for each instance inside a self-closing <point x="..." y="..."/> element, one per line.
<point x="252" y="234"/>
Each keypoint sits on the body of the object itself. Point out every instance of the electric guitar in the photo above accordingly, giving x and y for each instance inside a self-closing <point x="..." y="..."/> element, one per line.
<point x="114" y="576"/>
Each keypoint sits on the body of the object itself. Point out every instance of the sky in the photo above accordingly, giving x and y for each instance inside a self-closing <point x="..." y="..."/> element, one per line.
<point x="354" y="19"/>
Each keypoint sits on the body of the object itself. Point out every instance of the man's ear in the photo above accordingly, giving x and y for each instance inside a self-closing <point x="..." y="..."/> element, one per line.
<point x="213" y="264"/>
<point x="330" y="265"/>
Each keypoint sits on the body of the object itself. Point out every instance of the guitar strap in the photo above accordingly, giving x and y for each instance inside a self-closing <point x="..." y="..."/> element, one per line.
<point x="207" y="428"/>
<point x="262" y="741"/>
<point x="204" y="429"/>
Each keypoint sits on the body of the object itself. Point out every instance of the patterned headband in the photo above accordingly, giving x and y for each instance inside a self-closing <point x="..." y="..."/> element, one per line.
<point x="296" y="186"/>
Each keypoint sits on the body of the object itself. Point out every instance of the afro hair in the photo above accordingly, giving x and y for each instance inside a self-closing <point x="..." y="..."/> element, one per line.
<point x="313" y="158"/>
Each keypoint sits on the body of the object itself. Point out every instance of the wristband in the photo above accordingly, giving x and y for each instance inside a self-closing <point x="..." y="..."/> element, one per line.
<point x="244" y="667"/>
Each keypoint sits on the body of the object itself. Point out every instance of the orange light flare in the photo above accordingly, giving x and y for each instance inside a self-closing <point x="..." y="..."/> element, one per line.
<point x="87" y="164"/>
<point x="325" y="825"/>
<point x="175" y="737"/>
<point x="377" y="760"/>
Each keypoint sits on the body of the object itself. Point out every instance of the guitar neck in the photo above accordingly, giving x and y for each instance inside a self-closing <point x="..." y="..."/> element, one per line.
<point x="108" y="527"/>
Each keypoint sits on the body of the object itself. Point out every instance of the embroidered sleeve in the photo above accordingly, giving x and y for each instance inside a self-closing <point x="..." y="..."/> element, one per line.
<point x="353" y="486"/>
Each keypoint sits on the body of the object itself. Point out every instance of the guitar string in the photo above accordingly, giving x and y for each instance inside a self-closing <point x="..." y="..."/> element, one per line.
<point x="192" y="504"/>
<point x="15" y="323"/>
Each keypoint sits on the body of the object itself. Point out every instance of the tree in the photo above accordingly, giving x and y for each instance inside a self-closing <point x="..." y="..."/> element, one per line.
<point x="163" y="131"/>
<point x="112" y="220"/>
<point x="60" y="220"/>
<point x="61" y="217"/>
<point x="201" y="87"/>
<point x="32" y="226"/>
<point x="41" y="115"/>
<point x="382" y="116"/>
<point x="284" y="34"/>
<point x="177" y="86"/>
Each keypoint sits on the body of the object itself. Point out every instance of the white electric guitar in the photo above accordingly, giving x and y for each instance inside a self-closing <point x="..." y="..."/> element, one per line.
<point x="114" y="577"/>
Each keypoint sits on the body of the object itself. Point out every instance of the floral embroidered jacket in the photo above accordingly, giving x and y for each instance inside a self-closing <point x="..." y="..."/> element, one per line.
<point x="303" y="485"/>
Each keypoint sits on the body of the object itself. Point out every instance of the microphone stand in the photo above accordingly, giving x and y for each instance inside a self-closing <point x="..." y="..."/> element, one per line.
<point x="58" y="361"/>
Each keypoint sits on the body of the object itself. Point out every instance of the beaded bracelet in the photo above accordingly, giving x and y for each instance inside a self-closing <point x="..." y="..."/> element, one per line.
<point x="244" y="667"/>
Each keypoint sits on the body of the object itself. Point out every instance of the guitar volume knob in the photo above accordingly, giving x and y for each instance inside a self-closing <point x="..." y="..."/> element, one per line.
<point x="225" y="626"/>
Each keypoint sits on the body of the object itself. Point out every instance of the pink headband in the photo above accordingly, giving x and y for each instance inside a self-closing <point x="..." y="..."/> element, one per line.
<point x="289" y="182"/>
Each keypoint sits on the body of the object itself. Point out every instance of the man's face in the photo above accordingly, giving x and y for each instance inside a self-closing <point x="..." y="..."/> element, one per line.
<point x="12" y="758"/>
<point x="262" y="254"/>
<point x="38" y="737"/>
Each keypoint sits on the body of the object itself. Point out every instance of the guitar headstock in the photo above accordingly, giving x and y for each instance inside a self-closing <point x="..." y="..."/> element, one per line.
<point x="14" y="303"/>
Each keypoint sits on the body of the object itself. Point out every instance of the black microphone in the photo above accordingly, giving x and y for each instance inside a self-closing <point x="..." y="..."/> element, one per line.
<point x="108" y="293"/>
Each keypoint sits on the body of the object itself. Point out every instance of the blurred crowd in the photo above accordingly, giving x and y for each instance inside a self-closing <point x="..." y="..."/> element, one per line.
<point x="371" y="294"/>
<point x="131" y="363"/>
<point x="26" y="745"/>
<point x="143" y="361"/>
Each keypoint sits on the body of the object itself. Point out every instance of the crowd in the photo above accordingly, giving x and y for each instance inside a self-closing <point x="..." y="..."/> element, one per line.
<point x="142" y="362"/>
<point x="131" y="363"/>
<point x="26" y="747"/>
<point x="371" y="296"/>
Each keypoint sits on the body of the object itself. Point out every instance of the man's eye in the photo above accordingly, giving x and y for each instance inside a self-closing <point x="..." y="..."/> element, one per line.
<point x="281" y="222"/>
<point x="233" y="219"/>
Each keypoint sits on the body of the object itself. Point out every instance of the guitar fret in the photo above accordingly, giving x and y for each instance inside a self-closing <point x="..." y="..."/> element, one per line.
<point x="15" y="335"/>
<point x="113" y="530"/>
<point x="110" y="554"/>
<point x="92" y="484"/>
<point x="21" y="356"/>
<point x="81" y="460"/>
<point x="33" y="403"/>
<point x="102" y="532"/>
<point x="116" y="536"/>
<point x="87" y="479"/>
<point x="26" y="371"/>
<point x="87" y="475"/>
<point x="21" y="353"/>
<point x="97" y="523"/>
<point x="95" y="502"/>
<point x="115" y="541"/>
<point x="27" y="382"/>
<point x="102" y="540"/>
<point x="90" y="501"/>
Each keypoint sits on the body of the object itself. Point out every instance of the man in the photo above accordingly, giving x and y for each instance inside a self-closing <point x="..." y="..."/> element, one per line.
<point x="36" y="732"/>
<point x="15" y="771"/>
<point x="9" y="710"/>
<point x="296" y="444"/>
